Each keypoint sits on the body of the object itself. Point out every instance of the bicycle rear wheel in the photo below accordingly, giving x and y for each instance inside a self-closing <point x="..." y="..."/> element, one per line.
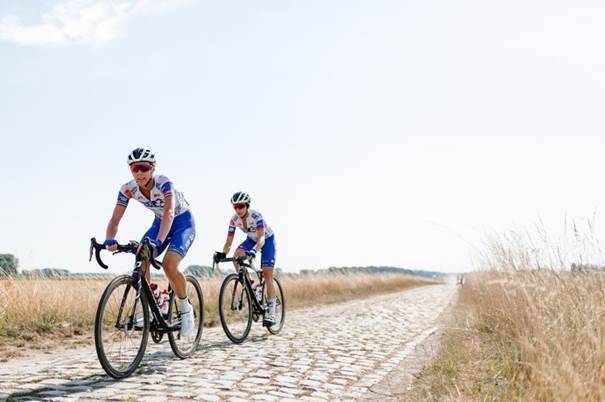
<point x="184" y="347"/>
<point x="235" y="309"/>
<point x="121" y="327"/>
<point x="280" y="307"/>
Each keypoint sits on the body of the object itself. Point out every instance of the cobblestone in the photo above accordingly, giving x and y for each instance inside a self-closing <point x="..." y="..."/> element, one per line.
<point x="334" y="352"/>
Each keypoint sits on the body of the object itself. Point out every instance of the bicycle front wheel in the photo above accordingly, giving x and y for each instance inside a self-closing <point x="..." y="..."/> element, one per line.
<point x="121" y="327"/>
<point x="183" y="347"/>
<point x="235" y="309"/>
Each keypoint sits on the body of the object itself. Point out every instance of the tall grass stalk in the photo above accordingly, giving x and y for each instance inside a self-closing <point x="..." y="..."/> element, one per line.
<point x="526" y="327"/>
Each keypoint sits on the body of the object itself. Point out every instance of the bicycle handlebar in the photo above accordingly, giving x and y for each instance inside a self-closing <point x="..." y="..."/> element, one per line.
<point x="220" y="257"/>
<point x="132" y="247"/>
<point x="241" y="259"/>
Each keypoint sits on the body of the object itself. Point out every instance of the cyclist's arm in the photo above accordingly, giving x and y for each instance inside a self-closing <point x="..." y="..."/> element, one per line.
<point x="260" y="233"/>
<point x="114" y="222"/>
<point x="228" y="244"/>
<point x="230" y="236"/>
<point x="167" y="218"/>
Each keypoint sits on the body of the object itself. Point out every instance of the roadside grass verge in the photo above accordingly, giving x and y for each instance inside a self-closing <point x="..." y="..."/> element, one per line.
<point x="523" y="331"/>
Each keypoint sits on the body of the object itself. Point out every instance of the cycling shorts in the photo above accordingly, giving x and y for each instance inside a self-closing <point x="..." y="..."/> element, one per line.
<point x="180" y="237"/>
<point x="268" y="250"/>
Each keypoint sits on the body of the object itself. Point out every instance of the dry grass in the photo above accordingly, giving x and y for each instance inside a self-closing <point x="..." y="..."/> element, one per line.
<point x="43" y="313"/>
<point x="522" y="333"/>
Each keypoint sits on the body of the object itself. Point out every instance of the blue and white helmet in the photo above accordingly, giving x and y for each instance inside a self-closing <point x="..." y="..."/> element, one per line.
<point x="141" y="155"/>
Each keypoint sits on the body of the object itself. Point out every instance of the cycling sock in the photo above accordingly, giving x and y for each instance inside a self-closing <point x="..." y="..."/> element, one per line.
<point x="184" y="305"/>
<point x="272" y="306"/>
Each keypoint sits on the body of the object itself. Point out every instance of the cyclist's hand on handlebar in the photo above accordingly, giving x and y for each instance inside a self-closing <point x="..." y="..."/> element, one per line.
<point x="110" y="245"/>
<point x="155" y="243"/>
<point x="219" y="256"/>
<point x="251" y="253"/>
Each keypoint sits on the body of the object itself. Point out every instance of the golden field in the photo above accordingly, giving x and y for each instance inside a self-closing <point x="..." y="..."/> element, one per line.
<point x="523" y="332"/>
<point x="43" y="313"/>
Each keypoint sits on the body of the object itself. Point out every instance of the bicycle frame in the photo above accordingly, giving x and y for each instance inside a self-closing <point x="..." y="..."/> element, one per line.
<point x="162" y="325"/>
<point x="243" y="278"/>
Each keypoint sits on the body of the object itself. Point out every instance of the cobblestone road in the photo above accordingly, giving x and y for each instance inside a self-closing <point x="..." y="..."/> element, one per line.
<point x="334" y="352"/>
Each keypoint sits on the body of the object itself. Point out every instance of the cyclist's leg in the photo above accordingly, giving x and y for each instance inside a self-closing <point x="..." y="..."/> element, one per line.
<point x="268" y="264"/>
<point x="268" y="275"/>
<point x="182" y="234"/>
<point x="247" y="245"/>
<point x="179" y="240"/>
<point x="176" y="278"/>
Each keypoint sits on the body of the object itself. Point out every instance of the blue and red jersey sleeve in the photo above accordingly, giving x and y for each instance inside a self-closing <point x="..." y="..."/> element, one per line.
<point x="260" y="223"/>
<point x="124" y="195"/>
<point x="167" y="189"/>
<point x="231" y="227"/>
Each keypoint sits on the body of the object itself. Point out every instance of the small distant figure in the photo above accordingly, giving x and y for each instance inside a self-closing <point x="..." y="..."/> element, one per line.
<point x="460" y="279"/>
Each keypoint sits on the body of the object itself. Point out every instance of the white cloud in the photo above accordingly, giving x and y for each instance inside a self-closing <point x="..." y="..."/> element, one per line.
<point x="80" y="21"/>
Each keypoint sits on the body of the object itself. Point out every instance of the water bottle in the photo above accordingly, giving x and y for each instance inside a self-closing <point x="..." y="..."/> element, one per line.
<point x="155" y="290"/>
<point x="165" y="302"/>
<point x="259" y="293"/>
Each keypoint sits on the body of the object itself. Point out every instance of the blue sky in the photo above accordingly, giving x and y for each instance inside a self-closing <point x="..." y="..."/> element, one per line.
<point x="382" y="132"/>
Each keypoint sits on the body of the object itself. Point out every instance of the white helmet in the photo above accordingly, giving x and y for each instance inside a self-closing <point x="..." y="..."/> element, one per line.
<point x="141" y="155"/>
<point x="240" y="198"/>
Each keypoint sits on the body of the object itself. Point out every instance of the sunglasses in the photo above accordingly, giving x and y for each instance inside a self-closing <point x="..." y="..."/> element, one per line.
<point x="140" y="167"/>
<point x="239" y="206"/>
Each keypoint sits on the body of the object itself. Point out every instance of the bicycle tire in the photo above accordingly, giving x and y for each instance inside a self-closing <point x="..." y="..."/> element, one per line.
<point x="228" y="310"/>
<point x="280" y="302"/>
<point x="102" y="353"/>
<point x="197" y="301"/>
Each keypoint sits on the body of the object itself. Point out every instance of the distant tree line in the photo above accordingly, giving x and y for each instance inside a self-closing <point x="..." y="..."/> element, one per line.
<point x="575" y="267"/>
<point x="46" y="273"/>
<point x="204" y="271"/>
<point x="372" y="270"/>
<point x="9" y="265"/>
<point x="200" y="271"/>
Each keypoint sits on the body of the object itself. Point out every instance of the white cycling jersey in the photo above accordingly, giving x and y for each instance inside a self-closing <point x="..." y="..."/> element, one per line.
<point x="254" y="221"/>
<point x="162" y="189"/>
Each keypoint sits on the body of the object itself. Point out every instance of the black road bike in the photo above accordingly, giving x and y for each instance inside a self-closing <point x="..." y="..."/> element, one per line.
<point x="240" y="303"/>
<point x="128" y="312"/>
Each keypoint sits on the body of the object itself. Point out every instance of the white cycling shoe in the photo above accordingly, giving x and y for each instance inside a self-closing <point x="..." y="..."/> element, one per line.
<point x="187" y="322"/>
<point x="269" y="320"/>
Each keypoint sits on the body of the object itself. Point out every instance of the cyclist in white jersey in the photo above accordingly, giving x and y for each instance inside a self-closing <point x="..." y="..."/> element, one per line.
<point x="260" y="237"/>
<point x="173" y="227"/>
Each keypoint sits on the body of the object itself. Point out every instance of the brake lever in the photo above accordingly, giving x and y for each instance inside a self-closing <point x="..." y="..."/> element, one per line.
<point x="97" y="247"/>
<point x="149" y="255"/>
<point x="90" y="250"/>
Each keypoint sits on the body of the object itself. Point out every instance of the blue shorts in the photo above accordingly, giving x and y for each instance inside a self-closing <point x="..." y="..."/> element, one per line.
<point x="268" y="251"/>
<point x="180" y="237"/>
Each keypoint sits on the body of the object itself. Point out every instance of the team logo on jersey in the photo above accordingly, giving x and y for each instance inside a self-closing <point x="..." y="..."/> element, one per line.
<point x="153" y="204"/>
